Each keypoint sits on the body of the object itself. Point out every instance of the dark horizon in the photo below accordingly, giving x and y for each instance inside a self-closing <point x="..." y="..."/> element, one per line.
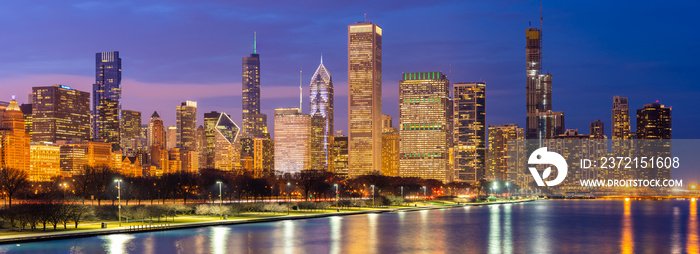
<point x="192" y="51"/>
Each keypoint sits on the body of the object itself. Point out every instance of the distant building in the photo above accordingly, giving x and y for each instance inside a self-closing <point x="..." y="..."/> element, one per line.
<point x="76" y="155"/>
<point x="130" y="129"/>
<point x="107" y="98"/>
<point x="469" y="131"/>
<point x="390" y="147"/>
<point x="253" y="121"/>
<point x="60" y="113"/>
<point x="171" y="137"/>
<point x="45" y="162"/>
<point x="423" y="124"/>
<point x="499" y="160"/>
<point x="654" y="122"/>
<point x="340" y="154"/>
<point x="292" y="135"/>
<point x="186" y="125"/>
<point x="364" y="98"/>
<point x="597" y="129"/>
<point x="321" y="111"/>
<point x="620" y="118"/>
<point x="14" y="141"/>
<point x="263" y="157"/>
<point x="226" y="144"/>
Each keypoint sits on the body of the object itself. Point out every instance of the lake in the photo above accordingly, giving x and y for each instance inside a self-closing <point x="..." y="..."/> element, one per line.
<point x="554" y="226"/>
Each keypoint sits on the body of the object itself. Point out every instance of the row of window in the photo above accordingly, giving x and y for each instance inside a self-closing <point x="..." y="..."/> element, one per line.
<point x="421" y="100"/>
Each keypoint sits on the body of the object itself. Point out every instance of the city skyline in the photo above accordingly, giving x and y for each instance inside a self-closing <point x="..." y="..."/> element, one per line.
<point x="561" y="24"/>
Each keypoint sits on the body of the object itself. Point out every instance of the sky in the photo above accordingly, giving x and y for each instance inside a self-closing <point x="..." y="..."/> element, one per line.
<point x="191" y="50"/>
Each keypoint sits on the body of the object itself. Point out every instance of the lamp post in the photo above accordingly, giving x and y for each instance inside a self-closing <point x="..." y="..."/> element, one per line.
<point x="221" y="200"/>
<point x="372" y="186"/>
<point x="337" y="194"/>
<point x="289" y="194"/>
<point x="401" y="191"/>
<point x="424" y="189"/>
<point x="119" y="197"/>
<point x="65" y="188"/>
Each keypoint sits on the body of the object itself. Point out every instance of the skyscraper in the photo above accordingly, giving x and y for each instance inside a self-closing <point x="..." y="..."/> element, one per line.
<point x="226" y="144"/>
<point x="620" y="118"/>
<point x="340" y="155"/>
<point x="541" y="122"/>
<point x="186" y="125"/>
<point x="499" y="150"/>
<point x="171" y="137"/>
<point x="321" y="111"/>
<point x="130" y="129"/>
<point x="263" y="157"/>
<point x="597" y="129"/>
<point x="423" y="124"/>
<point x="14" y="141"/>
<point x="253" y="121"/>
<point x="364" y="98"/>
<point x="210" y="120"/>
<point x="654" y="122"/>
<point x="390" y="148"/>
<point x="292" y="134"/>
<point x="107" y="98"/>
<point x="156" y="130"/>
<point x="60" y="113"/>
<point x="469" y="132"/>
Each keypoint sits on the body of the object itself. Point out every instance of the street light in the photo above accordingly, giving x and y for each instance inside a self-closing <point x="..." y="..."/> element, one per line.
<point x="289" y="194"/>
<point x="401" y="191"/>
<point x="221" y="200"/>
<point x="337" y="194"/>
<point x="119" y="197"/>
<point x="424" y="189"/>
<point x="372" y="186"/>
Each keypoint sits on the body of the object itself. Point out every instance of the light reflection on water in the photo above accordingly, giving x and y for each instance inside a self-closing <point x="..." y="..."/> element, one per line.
<point x="535" y="227"/>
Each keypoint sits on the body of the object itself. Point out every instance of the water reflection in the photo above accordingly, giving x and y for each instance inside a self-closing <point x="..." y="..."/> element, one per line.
<point x="335" y="223"/>
<point x="500" y="236"/>
<point x="627" y="242"/>
<point x="117" y="244"/>
<point x="693" y="240"/>
<point x="676" y="236"/>
<point x="288" y="228"/>
<point x="219" y="238"/>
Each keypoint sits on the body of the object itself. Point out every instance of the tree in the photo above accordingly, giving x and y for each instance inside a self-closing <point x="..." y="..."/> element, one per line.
<point x="13" y="180"/>
<point x="78" y="213"/>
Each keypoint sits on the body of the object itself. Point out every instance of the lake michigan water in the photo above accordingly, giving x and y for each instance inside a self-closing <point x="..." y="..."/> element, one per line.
<point x="544" y="226"/>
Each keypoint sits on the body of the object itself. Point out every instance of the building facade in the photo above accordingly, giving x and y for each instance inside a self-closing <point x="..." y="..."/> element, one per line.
<point x="498" y="168"/>
<point x="292" y="135"/>
<point x="423" y="126"/>
<point x="60" y="113"/>
<point x="130" y="129"/>
<point x="364" y="98"/>
<point x="107" y="98"/>
<point x="321" y="111"/>
<point x="469" y="131"/>
<point x="253" y="121"/>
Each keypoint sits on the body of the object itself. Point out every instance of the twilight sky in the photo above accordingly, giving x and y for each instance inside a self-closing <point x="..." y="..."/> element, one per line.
<point x="191" y="50"/>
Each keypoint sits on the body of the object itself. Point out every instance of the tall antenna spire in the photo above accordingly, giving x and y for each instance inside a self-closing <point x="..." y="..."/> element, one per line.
<point x="300" y="90"/>
<point x="321" y="57"/>
<point x="255" y="42"/>
<point x="541" y="19"/>
<point x="365" y="17"/>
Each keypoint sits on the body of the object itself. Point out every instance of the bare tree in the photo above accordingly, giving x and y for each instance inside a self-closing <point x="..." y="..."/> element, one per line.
<point x="13" y="180"/>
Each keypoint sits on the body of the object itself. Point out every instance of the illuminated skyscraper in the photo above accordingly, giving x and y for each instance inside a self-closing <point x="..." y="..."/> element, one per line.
<point x="340" y="155"/>
<point x="253" y="121"/>
<point x="292" y="135"/>
<point x="620" y="118"/>
<point x="499" y="150"/>
<point x="390" y="148"/>
<point x="186" y="125"/>
<point x="14" y="141"/>
<point x="423" y="125"/>
<point x="107" y="98"/>
<point x="654" y="122"/>
<point x="210" y="120"/>
<point x="469" y="131"/>
<point x="263" y="157"/>
<point x="321" y="111"/>
<point x="60" y="113"/>
<point x="130" y="129"/>
<point x="156" y="130"/>
<point x="171" y="137"/>
<point x="364" y="98"/>
<point x="226" y="144"/>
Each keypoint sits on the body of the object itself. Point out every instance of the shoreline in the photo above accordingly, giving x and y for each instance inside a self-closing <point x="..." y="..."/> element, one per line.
<point x="127" y="230"/>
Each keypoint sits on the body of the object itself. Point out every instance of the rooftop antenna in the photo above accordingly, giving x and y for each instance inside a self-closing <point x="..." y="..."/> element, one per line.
<point x="300" y="90"/>
<point x="321" y="57"/>
<point x="255" y="42"/>
<point x="365" y="17"/>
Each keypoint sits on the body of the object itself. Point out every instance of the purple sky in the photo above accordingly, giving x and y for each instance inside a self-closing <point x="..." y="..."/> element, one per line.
<point x="191" y="50"/>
